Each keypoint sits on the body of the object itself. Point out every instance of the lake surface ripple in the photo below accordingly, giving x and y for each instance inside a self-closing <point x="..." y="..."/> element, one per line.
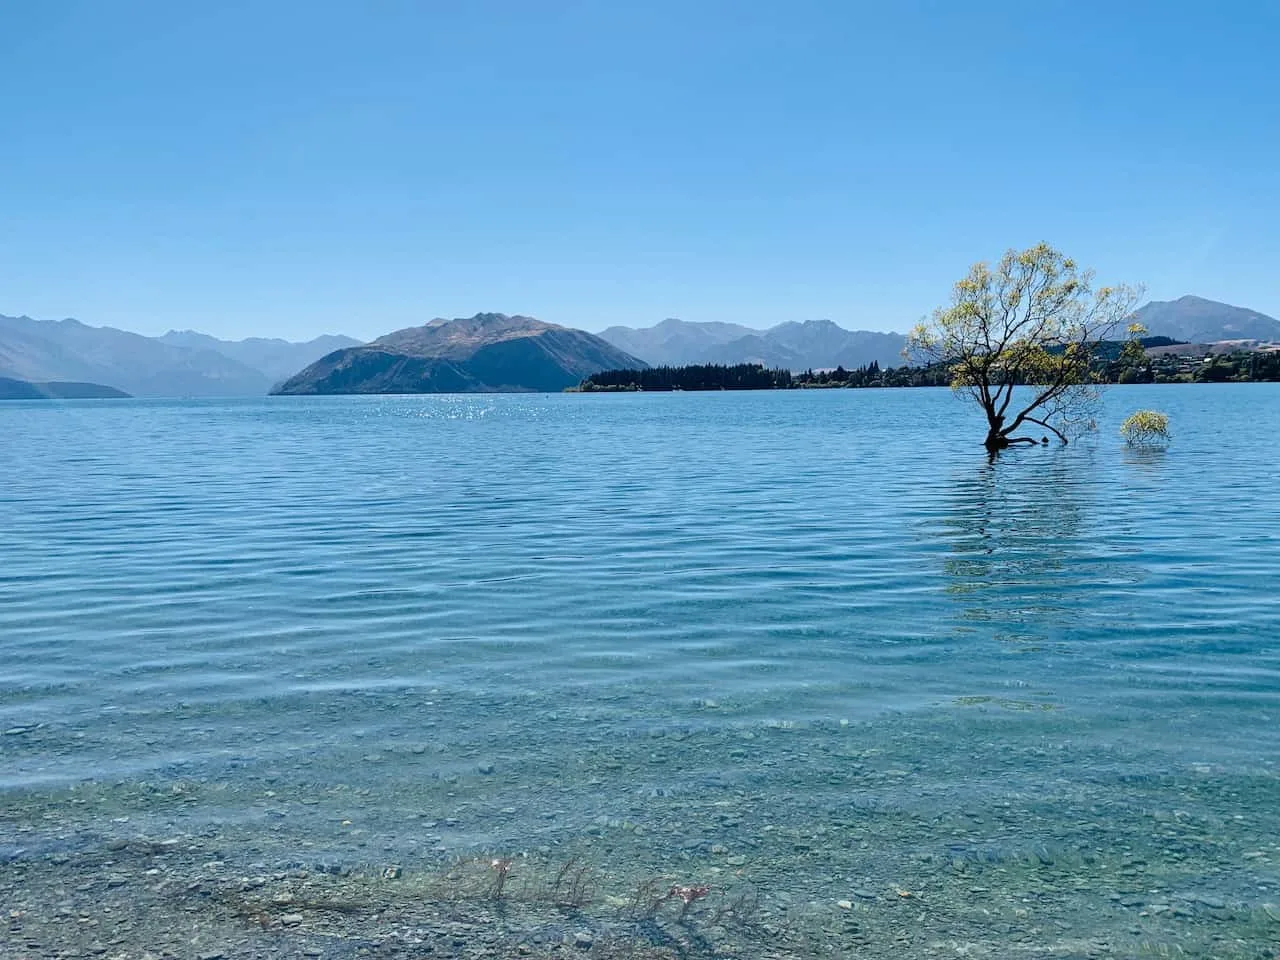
<point x="810" y="642"/>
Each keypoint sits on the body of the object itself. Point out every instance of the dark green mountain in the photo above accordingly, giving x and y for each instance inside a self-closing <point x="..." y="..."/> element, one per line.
<point x="487" y="353"/>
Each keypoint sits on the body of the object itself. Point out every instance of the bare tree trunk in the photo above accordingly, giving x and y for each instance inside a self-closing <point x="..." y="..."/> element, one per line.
<point x="995" y="440"/>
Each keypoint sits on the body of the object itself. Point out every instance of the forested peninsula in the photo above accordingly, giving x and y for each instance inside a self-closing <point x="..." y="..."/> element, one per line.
<point x="1162" y="362"/>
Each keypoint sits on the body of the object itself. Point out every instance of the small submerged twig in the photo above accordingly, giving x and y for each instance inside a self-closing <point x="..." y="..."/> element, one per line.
<point x="501" y="867"/>
<point x="688" y="896"/>
<point x="741" y="908"/>
<point x="572" y="885"/>
<point x="648" y="899"/>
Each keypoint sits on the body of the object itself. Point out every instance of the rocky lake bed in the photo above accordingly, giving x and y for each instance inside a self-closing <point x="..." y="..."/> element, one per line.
<point x="117" y="870"/>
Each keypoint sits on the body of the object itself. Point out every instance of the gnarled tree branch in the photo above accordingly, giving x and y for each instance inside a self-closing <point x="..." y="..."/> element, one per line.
<point x="1034" y="321"/>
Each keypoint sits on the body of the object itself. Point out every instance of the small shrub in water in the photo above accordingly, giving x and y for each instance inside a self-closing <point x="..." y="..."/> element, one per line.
<point x="1145" y="427"/>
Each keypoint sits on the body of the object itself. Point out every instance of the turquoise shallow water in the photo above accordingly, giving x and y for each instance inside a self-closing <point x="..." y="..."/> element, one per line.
<point x="810" y="640"/>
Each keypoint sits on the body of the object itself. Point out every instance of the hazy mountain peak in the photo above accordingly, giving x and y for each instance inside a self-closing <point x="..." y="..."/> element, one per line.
<point x="1199" y="320"/>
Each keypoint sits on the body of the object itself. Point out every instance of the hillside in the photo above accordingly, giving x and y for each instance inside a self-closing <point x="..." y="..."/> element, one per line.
<point x="22" y="390"/>
<point x="1198" y="320"/>
<point x="487" y="353"/>
<point x="791" y="346"/>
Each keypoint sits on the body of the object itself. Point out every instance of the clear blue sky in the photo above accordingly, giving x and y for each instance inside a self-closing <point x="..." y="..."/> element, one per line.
<point x="291" y="168"/>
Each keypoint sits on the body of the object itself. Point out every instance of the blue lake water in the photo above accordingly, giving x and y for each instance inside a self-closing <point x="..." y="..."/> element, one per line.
<point x="811" y="641"/>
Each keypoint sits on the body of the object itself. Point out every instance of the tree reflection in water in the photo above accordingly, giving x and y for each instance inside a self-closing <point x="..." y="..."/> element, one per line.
<point x="1149" y="458"/>
<point x="1017" y="553"/>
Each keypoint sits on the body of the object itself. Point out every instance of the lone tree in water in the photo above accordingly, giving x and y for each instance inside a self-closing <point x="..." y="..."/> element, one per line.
<point x="1031" y="322"/>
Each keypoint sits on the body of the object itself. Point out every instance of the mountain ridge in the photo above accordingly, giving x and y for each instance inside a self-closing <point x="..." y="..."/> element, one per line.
<point x="202" y="366"/>
<point x="486" y="353"/>
<point x="823" y="344"/>
<point x="273" y="356"/>
<point x="793" y="345"/>
<point x="1199" y="320"/>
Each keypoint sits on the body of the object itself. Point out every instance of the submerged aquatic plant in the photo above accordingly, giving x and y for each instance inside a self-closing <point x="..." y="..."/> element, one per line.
<point x="688" y="896"/>
<point x="1145" y="427"/>
<point x="573" y="885"/>
<point x="649" y="897"/>
<point x="501" y="867"/>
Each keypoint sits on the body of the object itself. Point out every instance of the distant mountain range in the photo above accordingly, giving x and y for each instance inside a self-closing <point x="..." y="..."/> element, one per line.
<point x="175" y="365"/>
<point x="278" y="359"/>
<point x="790" y="346"/>
<point x="487" y="353"/>
<point x="821" y="344"/>
<point x="1197" y="320"/>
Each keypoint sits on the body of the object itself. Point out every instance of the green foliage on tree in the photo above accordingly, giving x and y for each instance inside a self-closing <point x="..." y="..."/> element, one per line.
<point x="1033" y="320"/>
<point x="1145" y="427"/>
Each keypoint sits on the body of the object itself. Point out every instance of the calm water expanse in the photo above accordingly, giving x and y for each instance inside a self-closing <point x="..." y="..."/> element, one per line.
<point x="807" y="641"/>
